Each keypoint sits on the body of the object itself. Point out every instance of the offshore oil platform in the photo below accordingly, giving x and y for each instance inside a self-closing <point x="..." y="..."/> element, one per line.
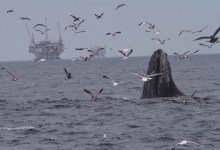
<point x="46" y="49"/>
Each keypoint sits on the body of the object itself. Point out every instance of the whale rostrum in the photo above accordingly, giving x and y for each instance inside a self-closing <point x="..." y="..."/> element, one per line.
<point x="162" y="85"/>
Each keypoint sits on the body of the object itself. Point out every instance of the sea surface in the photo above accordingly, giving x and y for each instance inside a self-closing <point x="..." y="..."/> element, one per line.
<point x="42" y="111"/>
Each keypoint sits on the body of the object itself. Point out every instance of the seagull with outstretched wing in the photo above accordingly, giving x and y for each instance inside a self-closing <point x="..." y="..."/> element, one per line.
<point x="182" y="56"/>
<point x="121" y="5"/>
<point x="212" y="38"/>
<point x="75" y="18"/>
<point x="39" y="24"/>
<point x="147" y="77"/>
<point x="184" y="30"/>
<point x="99" y="16"/>
<point x="13" y="77"/>
<point x="199" y="31"/>
<point x="185" y="142"/>
<point x="115" y="83"/>
<point x="24" y="18"/>
<point x="125" y="54"/>
<point x="185" y="54"/>
<point x="160" y="41"/>
<point x="94" y="96"/>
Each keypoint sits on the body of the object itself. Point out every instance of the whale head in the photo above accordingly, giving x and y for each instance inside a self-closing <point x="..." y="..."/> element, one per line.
<point x="162" y="85"/>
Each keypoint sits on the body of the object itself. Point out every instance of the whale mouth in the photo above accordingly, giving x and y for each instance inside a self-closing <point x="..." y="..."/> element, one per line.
<point x="156" y="65"/>
<point x="162" y="85"/>
<point x="161" y="67"/>
<point x="158" y="62"/>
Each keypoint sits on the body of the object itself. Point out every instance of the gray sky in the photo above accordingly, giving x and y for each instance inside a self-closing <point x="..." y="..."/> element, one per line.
<point x="169" y="16"/>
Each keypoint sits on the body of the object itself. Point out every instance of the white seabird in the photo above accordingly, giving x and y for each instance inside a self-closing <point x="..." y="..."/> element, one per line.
<point x="125" y="54"/>
<point x="185" y="55"/>
<point x="147" y="77"/>
<point x="40" y="59"/>
<point x="185" y="142"/>
<point x="115" y="83"/>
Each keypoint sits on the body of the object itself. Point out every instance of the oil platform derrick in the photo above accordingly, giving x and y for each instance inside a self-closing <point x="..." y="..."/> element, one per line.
<point x="46" y="49"/>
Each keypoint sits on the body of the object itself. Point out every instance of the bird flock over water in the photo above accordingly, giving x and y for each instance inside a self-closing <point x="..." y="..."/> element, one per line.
<point x="77" y="21"/>
<point x="75" y="26"/>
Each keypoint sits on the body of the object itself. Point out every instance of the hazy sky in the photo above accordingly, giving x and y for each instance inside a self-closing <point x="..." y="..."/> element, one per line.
<point x="169" y="16"/>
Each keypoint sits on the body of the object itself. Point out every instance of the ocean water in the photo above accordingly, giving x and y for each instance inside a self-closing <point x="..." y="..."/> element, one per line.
<point x="42" y="111"/>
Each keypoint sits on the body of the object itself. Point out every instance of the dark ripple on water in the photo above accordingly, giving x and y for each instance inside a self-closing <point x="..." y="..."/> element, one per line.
<point x="52" y="113"/>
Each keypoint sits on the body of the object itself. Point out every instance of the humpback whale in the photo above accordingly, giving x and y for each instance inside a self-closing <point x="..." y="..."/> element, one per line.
<point x="163" y="85"/>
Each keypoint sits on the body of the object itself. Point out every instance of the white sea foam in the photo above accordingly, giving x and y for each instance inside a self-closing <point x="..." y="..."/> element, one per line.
<point x="17" y="128"/>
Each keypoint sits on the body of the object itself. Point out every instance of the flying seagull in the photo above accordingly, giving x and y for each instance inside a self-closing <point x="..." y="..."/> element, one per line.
<point x="185" y="55"/>
<point x="101" y="48"/>
<point x="157" y="32"/>
<point x="75" y="18"/>
<point x="117" y="32"/>
<point x="99" y="16"/>
<point x="160" y="41"/>
<point x="125" y="50"/>
<point x="151" y="26"/>
<point x="125" y="54"/>
<point x="121" y="5"/>
<point x="96" y="50"/>
<point x="10" y="10"/>
<point x="182" y="56"/>
<point x="94" y="97"/>
<point x="212" y="38"/>
<point x="143" y="23"/>
<point x="13" y="77"/>
<point x="199" y="31"/>
<point x="185" y="142"/>
<point x="39" y="59"/>
<point x="209" y="46"/>
<point x="67" y="74"/>
<point x="24" y="18"/>
<point x="194" y="52"/>
<point x="184" y="31"/>
<point x="80" y="49"/>
<point x="80" y="22"/>
<point x="113" y="81"/>
<point x="147" y="77"/>
<point x="79" y="32"/>
<point x="41" y="32"/>
<point x="113" y="34"/>
<point x="108" y="33"/>
<point x="71" y="26"/>
<point x="39" y="24"/>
